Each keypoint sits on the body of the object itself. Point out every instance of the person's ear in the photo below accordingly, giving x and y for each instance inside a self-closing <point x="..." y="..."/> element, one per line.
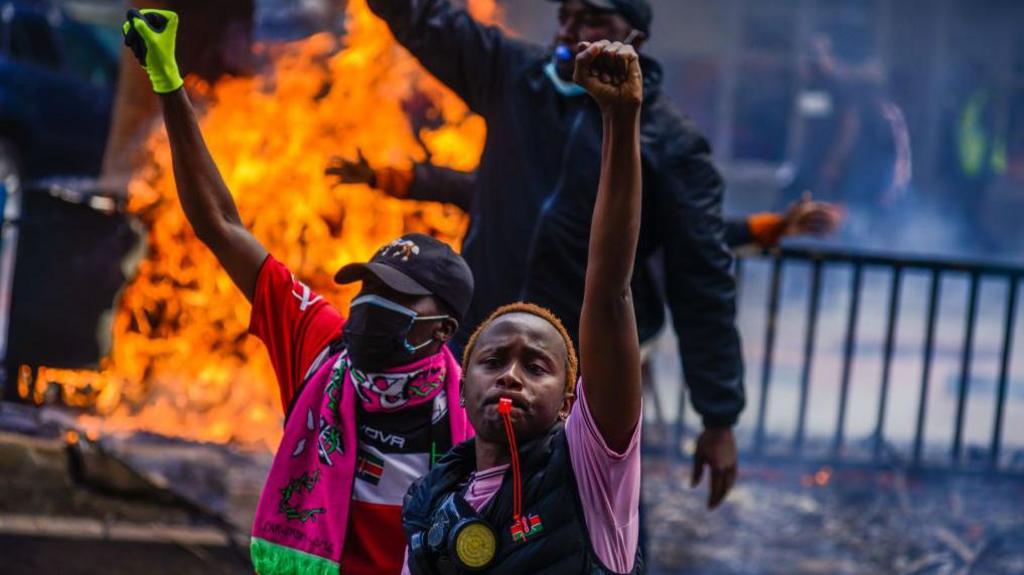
<point x="567" y="402"/>
<point x="446" y="329"/>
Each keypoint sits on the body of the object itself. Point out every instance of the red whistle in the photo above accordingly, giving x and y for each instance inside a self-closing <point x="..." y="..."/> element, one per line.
<point x="504" y="406"/>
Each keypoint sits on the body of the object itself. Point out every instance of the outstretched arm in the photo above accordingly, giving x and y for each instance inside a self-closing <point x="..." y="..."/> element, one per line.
<point x="424" y="182"/>
<point x="609" y="345"/>
<point x="206" y="200"/>
<point x="468" y="57"/>
<point x="207" y="203"/>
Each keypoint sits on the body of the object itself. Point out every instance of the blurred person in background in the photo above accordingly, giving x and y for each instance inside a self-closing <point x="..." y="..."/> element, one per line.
<point x="535" y="189"/>
<point x="976" y="154"/>
<point x="854" y="142"/>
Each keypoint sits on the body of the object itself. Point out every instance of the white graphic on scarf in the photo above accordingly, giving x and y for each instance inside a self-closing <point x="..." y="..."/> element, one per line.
<point x="389" y="391"/>
<point x="300" y="445"/>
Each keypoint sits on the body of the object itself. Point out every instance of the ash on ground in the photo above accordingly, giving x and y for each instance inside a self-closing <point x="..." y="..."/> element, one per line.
<point x="802" y="521"/>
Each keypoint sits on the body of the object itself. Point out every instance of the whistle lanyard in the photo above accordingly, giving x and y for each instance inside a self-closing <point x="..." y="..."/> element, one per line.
<point x="522" y="527"/>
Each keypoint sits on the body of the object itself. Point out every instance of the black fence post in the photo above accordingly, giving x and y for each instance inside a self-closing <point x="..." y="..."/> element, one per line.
<point x="965" y="369"/>
<point x="1004" y="371"/>
<point x="769" y="347"/>
<point x="890" y="344"/>
<point x="805" y="377"/>
<point x="848" y="351"/>
<point x="929" y="348"/>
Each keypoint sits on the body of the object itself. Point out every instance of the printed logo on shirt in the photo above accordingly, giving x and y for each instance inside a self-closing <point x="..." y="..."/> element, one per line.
<point x="383" y="437"/>
<point x="369" y="467"/>
<point x="302" y="293"/>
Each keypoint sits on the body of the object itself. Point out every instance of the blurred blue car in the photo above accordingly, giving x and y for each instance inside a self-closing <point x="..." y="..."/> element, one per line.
<point x="57" y="85"/>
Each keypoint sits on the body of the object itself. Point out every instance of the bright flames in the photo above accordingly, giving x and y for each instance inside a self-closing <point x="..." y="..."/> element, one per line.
<point x="182" y="364"/>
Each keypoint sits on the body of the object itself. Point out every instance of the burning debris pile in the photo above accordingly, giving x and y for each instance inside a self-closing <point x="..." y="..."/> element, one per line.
<point x="181" y="363"/>
<point x="796" y="521"/>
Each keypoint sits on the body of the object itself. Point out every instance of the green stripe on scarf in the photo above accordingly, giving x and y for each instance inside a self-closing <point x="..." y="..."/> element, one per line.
<point x="270" y="557"/>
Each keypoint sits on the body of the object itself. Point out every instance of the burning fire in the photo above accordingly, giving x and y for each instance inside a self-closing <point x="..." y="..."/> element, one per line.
<point x="181" y="363"/>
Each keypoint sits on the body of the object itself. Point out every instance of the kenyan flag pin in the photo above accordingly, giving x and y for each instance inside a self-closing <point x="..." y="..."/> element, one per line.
<point x="526" y="527"/>
<point x="369" y="467"/>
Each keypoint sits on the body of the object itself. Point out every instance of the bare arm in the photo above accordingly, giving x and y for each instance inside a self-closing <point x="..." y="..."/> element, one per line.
<point x="609" y="344"/>
<point x="839" y="153"/>
<point x="207" y="202"/>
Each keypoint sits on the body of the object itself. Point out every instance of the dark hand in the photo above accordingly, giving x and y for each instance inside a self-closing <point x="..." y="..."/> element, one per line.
<point x="808" y="217"/>
<point x="716" y="448"/>
<point x="349" y="172"/>
<point x="610" y="73"/>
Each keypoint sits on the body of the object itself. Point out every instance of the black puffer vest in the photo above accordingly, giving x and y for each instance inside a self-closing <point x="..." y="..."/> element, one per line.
<point x="562" y="546"/>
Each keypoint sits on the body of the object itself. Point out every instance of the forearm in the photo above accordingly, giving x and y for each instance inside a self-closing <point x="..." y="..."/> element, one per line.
<point x="711" y="355"/>
<point x="438" y="184"/>
<point x="609" y="344"/>
<point x="848" y="132"/>
<point x="463" y="54"/>
<point x="738" y="233"/>
<point x="205" y="199"/>
<point x="615" y="229"/>
<point x="207" y="203"/>
<point x="702" y="297"/>
<point x="700" y="285"/>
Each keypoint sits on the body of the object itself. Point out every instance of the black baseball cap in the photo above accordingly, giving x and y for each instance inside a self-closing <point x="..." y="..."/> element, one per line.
<point x="418" y="264"/>
<point x="637" y="12"/>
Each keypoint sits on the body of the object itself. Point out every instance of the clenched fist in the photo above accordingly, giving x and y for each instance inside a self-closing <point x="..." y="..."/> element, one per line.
<point x="610" y="73"/>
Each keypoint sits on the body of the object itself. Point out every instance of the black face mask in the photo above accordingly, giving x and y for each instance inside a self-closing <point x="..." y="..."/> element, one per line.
<point x="376" y="333"/>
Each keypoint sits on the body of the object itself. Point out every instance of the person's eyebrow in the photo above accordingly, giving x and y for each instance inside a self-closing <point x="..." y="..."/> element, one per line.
<point x="542" y="352"/>
<point x="488" y="347"/>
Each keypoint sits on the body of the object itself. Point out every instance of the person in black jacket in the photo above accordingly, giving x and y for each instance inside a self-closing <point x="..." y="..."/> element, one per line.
<point x="431" y="183"/>
<point x="550" y="484"/>
<point x="536" y="185"/>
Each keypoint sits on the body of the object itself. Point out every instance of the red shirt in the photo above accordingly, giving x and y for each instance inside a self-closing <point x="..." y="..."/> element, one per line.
<point x="296" y="324"/>
<point x="293" y="321"/>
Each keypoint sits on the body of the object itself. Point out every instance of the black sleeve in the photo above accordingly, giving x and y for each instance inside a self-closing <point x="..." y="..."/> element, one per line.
<point x="466" y="56"/>
<point x="737" y="233"/>
<point x="700" y="286"/>
<point x="436" y="184"/>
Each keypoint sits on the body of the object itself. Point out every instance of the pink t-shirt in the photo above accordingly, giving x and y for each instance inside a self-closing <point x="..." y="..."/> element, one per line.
<point x="608" y="483"/>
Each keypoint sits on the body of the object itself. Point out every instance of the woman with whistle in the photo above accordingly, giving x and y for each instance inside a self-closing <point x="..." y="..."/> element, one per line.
<point x="551" y="482"/>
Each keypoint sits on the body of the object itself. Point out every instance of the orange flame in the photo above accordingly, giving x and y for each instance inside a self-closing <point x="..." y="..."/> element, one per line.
<point x="181" y="363"/>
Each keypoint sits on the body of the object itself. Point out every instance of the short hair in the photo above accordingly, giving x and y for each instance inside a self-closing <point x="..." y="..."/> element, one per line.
<point x="571" y="363"/>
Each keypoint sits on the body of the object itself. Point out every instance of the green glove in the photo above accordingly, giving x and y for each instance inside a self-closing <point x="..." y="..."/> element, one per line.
<point x="150" y="34"/>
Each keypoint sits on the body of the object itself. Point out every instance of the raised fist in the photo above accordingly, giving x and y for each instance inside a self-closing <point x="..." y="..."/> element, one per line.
<point x="151" y="36"/>
<point x="610" y="73"/>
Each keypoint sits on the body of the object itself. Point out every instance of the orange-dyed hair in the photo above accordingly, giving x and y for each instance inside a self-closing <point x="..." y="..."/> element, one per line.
<point x="571" y="363"/>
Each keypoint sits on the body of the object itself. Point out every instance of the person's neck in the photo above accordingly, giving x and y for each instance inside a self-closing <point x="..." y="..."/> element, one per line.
<point x="490" y="454"/>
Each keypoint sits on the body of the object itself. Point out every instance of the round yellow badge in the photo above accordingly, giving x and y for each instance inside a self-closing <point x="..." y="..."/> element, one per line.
<point x="475" y="545"/>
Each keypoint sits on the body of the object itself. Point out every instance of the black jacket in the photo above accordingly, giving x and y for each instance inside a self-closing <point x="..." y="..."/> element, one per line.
<point x="440" y="184"/>
<point x="537" y="183"/>
<point x="549" y="492"/>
